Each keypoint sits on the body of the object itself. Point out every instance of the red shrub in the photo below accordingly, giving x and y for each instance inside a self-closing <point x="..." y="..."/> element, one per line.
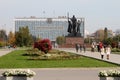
<point x="43" y="45"/>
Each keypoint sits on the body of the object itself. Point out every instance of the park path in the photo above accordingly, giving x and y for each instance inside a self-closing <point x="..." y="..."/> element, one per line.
<point x="5" y="51"/>
<point x="114" y="58"/>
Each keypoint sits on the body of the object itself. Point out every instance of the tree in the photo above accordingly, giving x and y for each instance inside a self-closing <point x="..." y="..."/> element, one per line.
<point x="99" y="35"/>
<point x="11" y="38"/>
<point x="109" y="41"/>
<point x="116" y="39"/>
<point x="23" y="37"/>
<point x="3" y="35"/>
<point x="60" y="40"/>
<point x="18" y="39"/>
<point x="3" y="38"/>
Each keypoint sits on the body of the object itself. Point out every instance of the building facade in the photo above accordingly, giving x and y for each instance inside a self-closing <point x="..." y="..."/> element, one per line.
<point x="49" y="28"/>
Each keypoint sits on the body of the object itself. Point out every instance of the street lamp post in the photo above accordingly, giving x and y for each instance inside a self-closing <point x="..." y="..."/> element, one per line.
<point x="118" y="42"/>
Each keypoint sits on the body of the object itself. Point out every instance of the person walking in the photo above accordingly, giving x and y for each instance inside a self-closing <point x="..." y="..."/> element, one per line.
<point x="76" y="47"/>
<point x="108" y="51"/>
<point x="92" y="48"/>
<point x="102" y="52"/>
<point x="80" y="48"/>
<point x="100" y="45"/>
<point x="84" y="47"/>
<point x="98" y="48"/>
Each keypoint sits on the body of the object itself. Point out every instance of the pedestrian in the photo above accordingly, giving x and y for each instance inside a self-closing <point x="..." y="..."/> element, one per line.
<point x="84" y="47"/>
<point x="98" y="48"/>
<point x="102" y="52"/>
<point x="80" y="48"/>
<point x="76" y="47"/>
<point x="100" y="45"/>
<point x="108" y="51"/>
<point x="92" y="48"/>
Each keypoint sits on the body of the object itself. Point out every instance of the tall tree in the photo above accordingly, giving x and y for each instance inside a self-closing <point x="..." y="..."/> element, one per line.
<point x="11" y="38"/>
<point x="100" y="35"/>
<point x="3" y="35"/>
<point x="60" y="40"/>
<point x="23" y="37"/>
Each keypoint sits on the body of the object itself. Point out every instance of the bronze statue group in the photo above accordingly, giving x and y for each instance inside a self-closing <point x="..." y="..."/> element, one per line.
<point x="73" y="25"/>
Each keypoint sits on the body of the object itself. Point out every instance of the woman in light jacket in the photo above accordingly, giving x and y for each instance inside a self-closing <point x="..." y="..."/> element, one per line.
<point x="108" y="51"/>
<point x="102" y="52"/>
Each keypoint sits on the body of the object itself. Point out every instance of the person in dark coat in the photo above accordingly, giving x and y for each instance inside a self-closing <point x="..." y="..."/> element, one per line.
<point x="80" y="48"/>
<point x="84" y="47"/>
<point x="76" y="47"/>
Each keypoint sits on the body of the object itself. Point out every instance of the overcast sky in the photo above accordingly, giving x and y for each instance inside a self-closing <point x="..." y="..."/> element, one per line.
<point x="97" y="13"/>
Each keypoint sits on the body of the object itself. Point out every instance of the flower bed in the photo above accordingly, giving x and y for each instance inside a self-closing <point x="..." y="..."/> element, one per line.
<point x="109" y="75"/>
<point x="19" y="72"/>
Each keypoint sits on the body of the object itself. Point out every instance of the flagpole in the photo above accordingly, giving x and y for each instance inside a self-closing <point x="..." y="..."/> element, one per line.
<point x="68" y="15"/>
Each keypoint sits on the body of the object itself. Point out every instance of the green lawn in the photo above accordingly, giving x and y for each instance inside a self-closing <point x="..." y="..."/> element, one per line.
<point x="16" y="60"/>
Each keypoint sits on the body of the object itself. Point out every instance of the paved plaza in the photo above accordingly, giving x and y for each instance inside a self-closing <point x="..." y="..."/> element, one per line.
<point x="114" y="58"/>
<point x="69" y="73"/>
<point x="65" y="73"/>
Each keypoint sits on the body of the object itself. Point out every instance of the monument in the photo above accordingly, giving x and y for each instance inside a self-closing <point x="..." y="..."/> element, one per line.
<point x="74" y="27"/>
<point x="74" y="33"/>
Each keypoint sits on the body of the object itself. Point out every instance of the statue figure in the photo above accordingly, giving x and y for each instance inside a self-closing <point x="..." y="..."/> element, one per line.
<point x="78" y="26"/>
<point x="73" y="25"/>
<point x="69" y="26"/>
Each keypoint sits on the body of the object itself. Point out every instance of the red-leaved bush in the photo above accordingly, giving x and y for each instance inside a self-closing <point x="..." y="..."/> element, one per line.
<point x="43" y="45"/>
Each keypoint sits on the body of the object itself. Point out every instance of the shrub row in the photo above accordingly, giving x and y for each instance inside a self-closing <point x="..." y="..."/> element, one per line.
<point x="115" y="50"/>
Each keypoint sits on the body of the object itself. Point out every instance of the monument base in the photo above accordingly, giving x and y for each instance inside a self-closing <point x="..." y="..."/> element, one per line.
<point x="73" y="35"/>
<point x="71" y="41"/>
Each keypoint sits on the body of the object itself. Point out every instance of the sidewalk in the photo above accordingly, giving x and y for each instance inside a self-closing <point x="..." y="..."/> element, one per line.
<point x="114" y="58"/>
<point x="65" y="73"/>
<point x="5" y="51"/>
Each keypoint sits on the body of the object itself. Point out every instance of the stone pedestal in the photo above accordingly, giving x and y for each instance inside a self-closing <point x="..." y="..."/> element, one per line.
<point x="106" y="78"/>
<point x="71" y="41"/>
<point x="17" y="78"/>
<point x="74" y="40"/>
<point x="109" y="78"/>
<point x="72" y="35"/>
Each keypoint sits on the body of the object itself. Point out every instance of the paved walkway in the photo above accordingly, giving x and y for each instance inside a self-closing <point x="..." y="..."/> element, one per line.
<point x="114" y="58"/>
<point x="5" y="51"/>
<point x="65" y="73"/>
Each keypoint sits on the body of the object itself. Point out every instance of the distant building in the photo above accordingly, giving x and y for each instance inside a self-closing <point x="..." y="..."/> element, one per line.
<point x="110" y="33"/>
<point x="87" y="33"/>
<point x="49" y="28"/>
<point x="117" y="32"/>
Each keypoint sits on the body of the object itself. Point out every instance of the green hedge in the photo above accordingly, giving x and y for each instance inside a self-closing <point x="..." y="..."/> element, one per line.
<point x="115" y="50"/>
